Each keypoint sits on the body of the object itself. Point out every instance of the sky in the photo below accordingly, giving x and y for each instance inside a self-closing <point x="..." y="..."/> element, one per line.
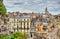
<point x="38" y="6"/>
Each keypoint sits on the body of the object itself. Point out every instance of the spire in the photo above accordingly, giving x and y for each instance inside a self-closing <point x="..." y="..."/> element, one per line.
<point x="46" y="11"/>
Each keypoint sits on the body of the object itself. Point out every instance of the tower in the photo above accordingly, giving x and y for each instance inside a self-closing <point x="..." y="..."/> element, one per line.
<point x="46" y="11"/>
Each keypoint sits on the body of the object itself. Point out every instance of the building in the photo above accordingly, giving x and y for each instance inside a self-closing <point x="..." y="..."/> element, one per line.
<point x="25" y="23"/>
<point x="1" y="23"/>
<point x="44" y="28"/>
<point x="35" y="24"/>
<point x="19" y="23"/>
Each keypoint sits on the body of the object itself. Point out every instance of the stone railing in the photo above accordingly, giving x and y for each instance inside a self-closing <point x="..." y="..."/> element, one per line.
<point x="53" y="34"/>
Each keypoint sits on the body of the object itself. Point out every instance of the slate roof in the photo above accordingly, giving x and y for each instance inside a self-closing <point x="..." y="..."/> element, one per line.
<point x="25" y="16"/>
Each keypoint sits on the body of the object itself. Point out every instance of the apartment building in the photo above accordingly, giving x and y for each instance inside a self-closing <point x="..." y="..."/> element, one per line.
<point x="25" y="23"/>
<point x="19" y="23"/>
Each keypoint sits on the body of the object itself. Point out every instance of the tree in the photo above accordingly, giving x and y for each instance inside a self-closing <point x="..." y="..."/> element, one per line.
<point x="3" y="36"/>
<point x="18" y="35"/>
<point x="15" y="35"/>
<point x="2" y="8"/>
<point x="1" y="0"/>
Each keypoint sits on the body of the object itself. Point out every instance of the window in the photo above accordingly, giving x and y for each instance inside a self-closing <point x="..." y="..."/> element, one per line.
<point x="32" y="29"/>
<point x="31" y="34"/>
<point x="25" y="19"/>
<point x="22" y="19"/>
<point x="24" y="27"/>
<point x="27" y="27"/>
<point x="44" y="27"/>
<point x="21" y="23"/>
<point x="46" y="20"/>
<point x="27" y="23"/>
<point x="18" y="24"/>
<point x="17" y="19"/>
<point x="14" y="29"/>
<point x="20" y="27"/>
<point x="17" y="28"/>
<point x="14" y="24"/>
<point x="24" y="23"/>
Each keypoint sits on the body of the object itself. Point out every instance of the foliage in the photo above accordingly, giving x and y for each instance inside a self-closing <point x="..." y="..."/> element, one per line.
<point x="18" y="35"/>
<point x="1" y="0"/>
<point x="15" y="35"/>
<point x="2" y="9"/>
<point x="3" y="36"/>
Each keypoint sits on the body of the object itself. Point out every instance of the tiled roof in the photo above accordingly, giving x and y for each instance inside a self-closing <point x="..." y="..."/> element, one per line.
<point x="25" y="16"/>
<point x="46" y="20"/>
<point x="16" y="17"/>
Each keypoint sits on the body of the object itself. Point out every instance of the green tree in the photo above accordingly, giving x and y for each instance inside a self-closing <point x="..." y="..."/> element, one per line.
<point x="3" y="36"/>
<point x="1" y="0"/>
<point x="18" y="35"/>
<point x="2" y="8"/>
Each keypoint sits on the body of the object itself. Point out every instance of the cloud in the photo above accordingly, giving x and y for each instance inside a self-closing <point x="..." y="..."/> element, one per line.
<point x="32" y="5"/>
<point x="18" y="3"/>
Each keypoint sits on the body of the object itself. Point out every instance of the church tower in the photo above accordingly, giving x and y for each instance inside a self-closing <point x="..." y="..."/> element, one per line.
<point x="46" y="11"/>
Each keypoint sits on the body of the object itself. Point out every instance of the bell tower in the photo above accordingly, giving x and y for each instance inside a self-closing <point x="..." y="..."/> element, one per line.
<point x="46" y="11"/>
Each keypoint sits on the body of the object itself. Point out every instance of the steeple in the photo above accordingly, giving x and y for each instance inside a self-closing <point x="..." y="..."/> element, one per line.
<point x="46" y="11"/>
